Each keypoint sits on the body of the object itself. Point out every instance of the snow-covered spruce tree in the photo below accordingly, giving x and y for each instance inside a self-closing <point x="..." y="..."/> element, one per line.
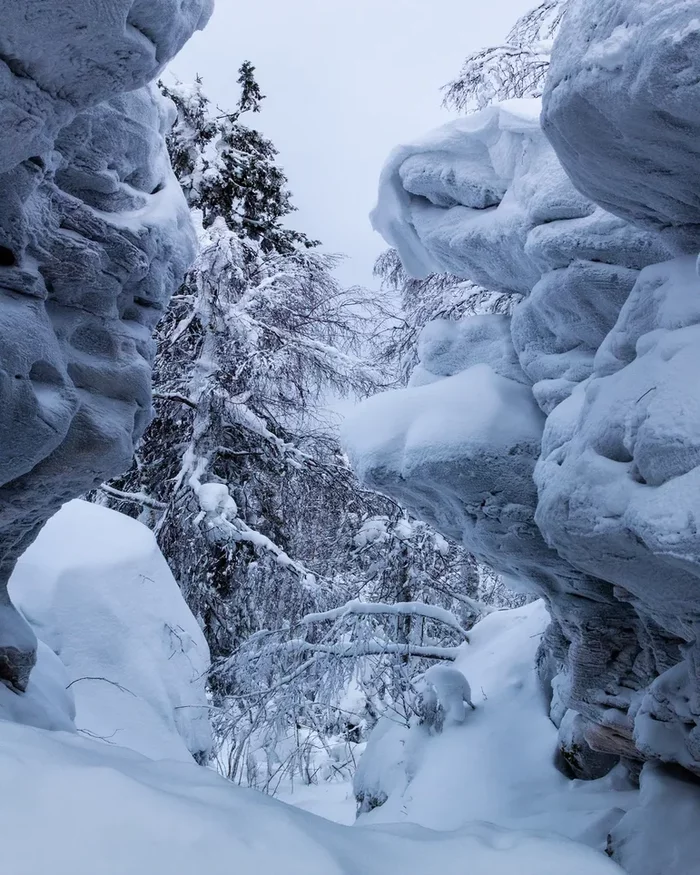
<point x="515" y="68"/>
<point x="242" y="478"/>
<point x="229" y="170"/>
<point x="239" y="457"/>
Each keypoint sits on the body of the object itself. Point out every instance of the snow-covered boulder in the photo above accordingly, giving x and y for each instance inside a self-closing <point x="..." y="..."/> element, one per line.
<point x="461" y="451"/>
<point x="96" y="589"/>
<point x="485" y="198"/>
<point x="622" y="109"/>
<point x="94" y="237"/>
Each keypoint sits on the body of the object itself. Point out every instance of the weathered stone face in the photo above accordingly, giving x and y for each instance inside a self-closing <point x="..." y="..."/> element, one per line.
<point x="607" y="340"/>
<point x="94" y="238"/>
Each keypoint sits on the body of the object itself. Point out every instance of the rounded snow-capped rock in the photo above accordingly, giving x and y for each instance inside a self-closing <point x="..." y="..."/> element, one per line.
<point x="622" y="110"/>
<point x="577" y="758"/>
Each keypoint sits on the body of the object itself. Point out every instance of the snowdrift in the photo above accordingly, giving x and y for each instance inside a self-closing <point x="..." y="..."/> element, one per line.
<point x="96" y="589"/>
<point x="498" y="766"/>
<point x="88" y="802"/>
<point x="80" y="807"/>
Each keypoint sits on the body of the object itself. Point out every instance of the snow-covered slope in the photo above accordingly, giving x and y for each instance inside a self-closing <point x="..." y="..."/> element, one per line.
<point x="81" y="807"/>
<point x="96" y="589"/>
<point x="498" y="766"/>
<point x="94" y="237"/>
<point x="88" y="802"/>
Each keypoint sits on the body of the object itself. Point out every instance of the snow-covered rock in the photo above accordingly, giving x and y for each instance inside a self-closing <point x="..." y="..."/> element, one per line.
<point x="96" y="589"/>
<point x="485" y="198"/>
<point x="606" y="337"/>
<point x="622" y="109"/>
<point x="617" y="481"/>
<point x="94" y="237"/>
<point x="461" y="452"/>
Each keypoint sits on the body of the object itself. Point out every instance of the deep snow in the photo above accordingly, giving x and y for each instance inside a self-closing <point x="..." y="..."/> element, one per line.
<point x="498" y="765"/>
<point x="99" y="591"/>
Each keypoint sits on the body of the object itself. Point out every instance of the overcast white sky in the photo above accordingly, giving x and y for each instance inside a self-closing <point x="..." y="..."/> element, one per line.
<point x="346" y="80"/>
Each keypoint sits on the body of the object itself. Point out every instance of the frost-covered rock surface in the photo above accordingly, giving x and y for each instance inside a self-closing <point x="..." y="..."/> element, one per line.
<point x="94" y="237"/>
<point x="577" y="470"/>
<point x="97" y="591"/>
<point x="485" y="198"/>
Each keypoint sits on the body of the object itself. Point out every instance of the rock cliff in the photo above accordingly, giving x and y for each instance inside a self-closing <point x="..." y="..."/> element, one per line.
<point x="94" y="238"/>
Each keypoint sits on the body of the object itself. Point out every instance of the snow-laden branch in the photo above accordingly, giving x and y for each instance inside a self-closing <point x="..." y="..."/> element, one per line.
<point x="366" y="609"/>
<point x="366" y="648"/>
<point x="174" y="396"/>
<point x="323" y="353"/>
<point x="133" y="497"/>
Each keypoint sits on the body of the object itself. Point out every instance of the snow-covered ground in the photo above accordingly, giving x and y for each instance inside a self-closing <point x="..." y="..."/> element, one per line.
<point x="498" y="766"/>
<point x="334" y="800"/>
<point x="79" y="805"/>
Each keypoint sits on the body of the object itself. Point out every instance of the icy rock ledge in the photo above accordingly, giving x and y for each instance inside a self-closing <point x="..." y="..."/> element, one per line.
<point x="94" y="237"/>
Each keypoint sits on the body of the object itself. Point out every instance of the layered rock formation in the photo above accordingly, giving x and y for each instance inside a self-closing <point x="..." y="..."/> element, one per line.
<point x="566" y="452"/>
<point x="94" y="237"/>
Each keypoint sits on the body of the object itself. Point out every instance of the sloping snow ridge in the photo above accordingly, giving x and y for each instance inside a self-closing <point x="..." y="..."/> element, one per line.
<point x="497" y="766"/>
<point x="598" y="513"/>
<point x="96" y="589"/>
<point x="85" y="808"/>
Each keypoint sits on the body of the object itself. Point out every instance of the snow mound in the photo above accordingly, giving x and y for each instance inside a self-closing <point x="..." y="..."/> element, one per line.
<point x="498" y="766"/>
<point x="86" y="808"/>
<point x="97" y="590"/>
<point x="48" y="702"/>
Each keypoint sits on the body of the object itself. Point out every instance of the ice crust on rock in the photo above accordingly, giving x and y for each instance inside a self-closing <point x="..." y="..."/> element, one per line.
<point x="606" y="340"/>
<point x="94" y="237"/>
